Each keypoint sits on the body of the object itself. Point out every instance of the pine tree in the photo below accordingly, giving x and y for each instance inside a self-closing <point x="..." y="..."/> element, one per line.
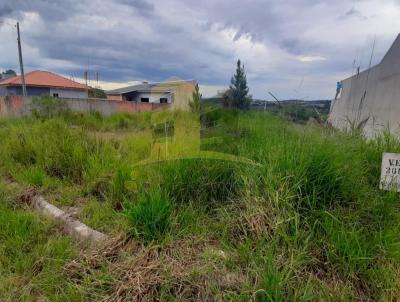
<point x="239" y="92"/>
<point x="195" y="103"/>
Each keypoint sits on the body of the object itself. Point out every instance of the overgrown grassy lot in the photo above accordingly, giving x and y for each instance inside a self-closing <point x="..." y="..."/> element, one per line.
<point x="305" y="222"/>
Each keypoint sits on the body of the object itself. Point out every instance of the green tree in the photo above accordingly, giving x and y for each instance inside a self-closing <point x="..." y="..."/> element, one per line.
<point x="239" y="91"/>
<point x="96" y="93"/>
<point x="10" y="72"/>
<point x="7" y="74"/>
<point x="195" y="103"/>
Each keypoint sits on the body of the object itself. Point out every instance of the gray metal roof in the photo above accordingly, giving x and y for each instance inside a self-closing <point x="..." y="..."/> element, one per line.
<point x="132" y="88"/>
<point x="145" y="87"/>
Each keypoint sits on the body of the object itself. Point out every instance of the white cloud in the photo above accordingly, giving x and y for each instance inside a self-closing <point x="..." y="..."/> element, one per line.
<point x="211" y="90"/>
<point x="310" y="58"/>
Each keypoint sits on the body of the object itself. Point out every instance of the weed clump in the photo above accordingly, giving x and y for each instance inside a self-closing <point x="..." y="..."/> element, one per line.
<point x="203" y="180"/>
<point x="46" y="107"/>
<point x="35" y="176"/>
<point x="320" y="183"/>
<point x="119" y="187"/>
<point x="150" y="215"/>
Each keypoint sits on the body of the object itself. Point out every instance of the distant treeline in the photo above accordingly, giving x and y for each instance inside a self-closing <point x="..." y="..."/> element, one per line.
<point x="295" y="110"/>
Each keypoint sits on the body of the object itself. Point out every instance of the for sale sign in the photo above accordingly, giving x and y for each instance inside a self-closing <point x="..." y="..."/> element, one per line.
<point x="390" y="172"/>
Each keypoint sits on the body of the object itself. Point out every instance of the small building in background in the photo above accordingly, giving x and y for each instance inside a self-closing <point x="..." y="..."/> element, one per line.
<point x="176" y="93"/>
<point x="43" y="83"/>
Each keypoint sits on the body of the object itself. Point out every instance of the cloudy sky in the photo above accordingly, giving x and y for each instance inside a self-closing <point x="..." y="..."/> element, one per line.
<point x="294" y="48"/>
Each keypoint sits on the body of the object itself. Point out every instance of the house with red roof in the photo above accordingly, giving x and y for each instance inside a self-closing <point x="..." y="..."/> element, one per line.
<point x="43" y="83"/>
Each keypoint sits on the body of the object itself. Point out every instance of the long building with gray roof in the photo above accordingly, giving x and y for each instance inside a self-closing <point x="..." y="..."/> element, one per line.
<point x="176" y="93"/>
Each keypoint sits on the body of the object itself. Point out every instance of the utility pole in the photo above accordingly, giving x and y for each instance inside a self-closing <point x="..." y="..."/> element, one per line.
<point x="86" y="83"/>
<point x="85" y="75"/>
<point x="21" y="63"/>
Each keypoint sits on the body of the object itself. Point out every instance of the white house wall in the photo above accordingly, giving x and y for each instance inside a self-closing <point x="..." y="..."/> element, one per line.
<point x="69" y="93"/>
<point x="153" y="97"/>
<point x="380" y="107"/>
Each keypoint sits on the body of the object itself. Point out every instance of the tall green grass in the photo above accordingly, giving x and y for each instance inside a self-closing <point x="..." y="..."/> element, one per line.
<point x="205" y="181"/>
<point x="150" y="215"/>
<point x="96" y="122"/>
<point x="32" y="255"/>
<point x="60" y="151"/>
<point x="307" y="222"/>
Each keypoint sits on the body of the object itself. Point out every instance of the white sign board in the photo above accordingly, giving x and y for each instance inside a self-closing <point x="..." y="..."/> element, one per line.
<point x="390" y="172"/>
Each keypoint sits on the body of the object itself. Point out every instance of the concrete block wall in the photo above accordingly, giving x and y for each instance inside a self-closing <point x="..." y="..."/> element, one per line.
<point x="17" y="106"/>
<point x="114" y="97"/>
<point x="371" y="97"/>
<point x="14" y="106"/>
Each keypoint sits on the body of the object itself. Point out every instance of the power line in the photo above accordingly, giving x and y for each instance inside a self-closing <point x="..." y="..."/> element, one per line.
<point x="4" y="22"/>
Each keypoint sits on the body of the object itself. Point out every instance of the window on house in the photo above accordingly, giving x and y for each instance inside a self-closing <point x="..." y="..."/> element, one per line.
<point x="129" y="99"/>
<point x="55" y="95"/>
<point x="163" y="100"/>
<point x="144" y="100"/>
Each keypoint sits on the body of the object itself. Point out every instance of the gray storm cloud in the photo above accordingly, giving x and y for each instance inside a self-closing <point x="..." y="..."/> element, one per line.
<point x="282" y="43"/>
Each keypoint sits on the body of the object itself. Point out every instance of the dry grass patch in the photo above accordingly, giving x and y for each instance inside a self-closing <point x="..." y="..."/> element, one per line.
<point x="190" y="269"/>
<point x="254" y="218"/>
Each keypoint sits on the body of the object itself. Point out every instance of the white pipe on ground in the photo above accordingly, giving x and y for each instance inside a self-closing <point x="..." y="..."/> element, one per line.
<point x="71" y="225"/>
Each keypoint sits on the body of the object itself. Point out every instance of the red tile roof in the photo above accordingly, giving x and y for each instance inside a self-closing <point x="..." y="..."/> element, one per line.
<point x="43" y="79"/>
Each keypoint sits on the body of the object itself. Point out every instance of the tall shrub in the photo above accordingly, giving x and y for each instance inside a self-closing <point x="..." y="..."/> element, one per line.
<point x="239" y="91"/>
